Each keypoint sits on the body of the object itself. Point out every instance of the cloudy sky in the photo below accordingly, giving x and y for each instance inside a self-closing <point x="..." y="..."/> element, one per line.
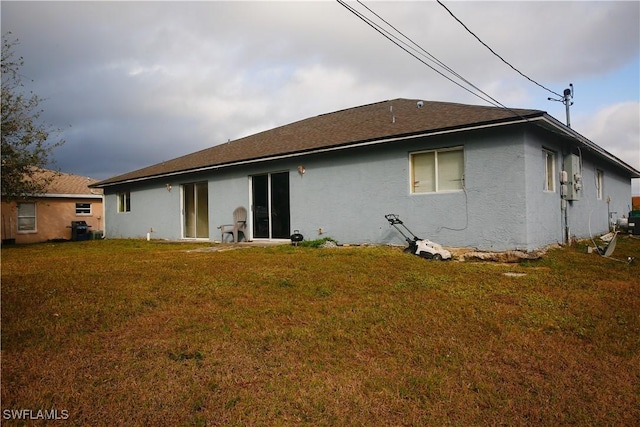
<point x="132" y="84"/>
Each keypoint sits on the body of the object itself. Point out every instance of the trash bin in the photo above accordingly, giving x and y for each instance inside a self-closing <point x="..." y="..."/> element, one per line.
<point x="97" y="234"/>
<point x="79" y="230"/>
<point x="634" y="222"/>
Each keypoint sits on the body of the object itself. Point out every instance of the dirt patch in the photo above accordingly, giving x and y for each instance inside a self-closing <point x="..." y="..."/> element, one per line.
<point x="504" y="257"/>
<point x="507" y="256"/>
<point x="512" y="274"/>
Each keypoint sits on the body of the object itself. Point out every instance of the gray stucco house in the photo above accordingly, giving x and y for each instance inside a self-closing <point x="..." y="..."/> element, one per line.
<point x="461" y="175"/>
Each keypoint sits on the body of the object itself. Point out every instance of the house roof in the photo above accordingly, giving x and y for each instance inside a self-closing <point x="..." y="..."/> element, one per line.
<point x="68" y="185"/>
<point x="367" y="124"/>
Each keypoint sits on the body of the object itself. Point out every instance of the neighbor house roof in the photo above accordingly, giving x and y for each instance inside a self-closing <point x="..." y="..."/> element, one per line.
<point x="367" y="124"/>
<point x="68" y="185"/>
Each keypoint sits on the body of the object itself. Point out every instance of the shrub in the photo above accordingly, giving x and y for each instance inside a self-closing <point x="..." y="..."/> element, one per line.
<point x="317" y="242"/>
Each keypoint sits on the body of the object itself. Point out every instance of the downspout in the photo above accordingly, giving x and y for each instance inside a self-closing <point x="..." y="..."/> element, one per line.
<point x="567" y="230"/>
<point x="103" y="219"/>
<point x="564" y="204"/>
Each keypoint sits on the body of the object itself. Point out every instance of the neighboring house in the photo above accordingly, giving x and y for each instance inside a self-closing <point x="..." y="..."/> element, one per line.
<point x="48" y="216"/>
<point x="461" y="175"/>
<point x="636" y="203"/>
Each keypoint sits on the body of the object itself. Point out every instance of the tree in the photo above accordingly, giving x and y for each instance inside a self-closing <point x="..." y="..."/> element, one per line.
<point x="26" y="148"/>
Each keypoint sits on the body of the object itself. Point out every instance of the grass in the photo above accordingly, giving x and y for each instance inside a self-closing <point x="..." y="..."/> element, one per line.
<point x="150" y="333"/>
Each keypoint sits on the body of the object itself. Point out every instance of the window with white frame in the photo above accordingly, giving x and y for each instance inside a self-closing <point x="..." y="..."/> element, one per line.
<point x="599" y="181"/>
<point x="124" y="201"/>
<point x="437" y="170"/>
<point x="27" y="217"/>
<point x="549" y="170"/>
<point x="83" y="208"/>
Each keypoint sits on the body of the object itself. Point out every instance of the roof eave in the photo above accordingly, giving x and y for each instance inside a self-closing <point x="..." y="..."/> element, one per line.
<point x="557" y="126"/>
<point x="346" y="145"/>
<point x="70" y="196"/>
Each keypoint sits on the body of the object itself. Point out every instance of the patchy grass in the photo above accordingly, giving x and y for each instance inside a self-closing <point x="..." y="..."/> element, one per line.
<point x="148" y="333"/>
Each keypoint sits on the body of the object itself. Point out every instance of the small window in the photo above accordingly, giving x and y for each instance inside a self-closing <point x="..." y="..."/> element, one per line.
<point x="437" y="171"/>
<point x="124" y="202"/>
<point x="27" y="217"/>
<point x="83" y="208"/>
<point x="549" y="170"/>
<point x="599" y="182"/>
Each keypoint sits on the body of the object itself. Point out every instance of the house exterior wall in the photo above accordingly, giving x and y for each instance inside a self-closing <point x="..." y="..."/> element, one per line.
<point x="154" y="209"/>
<point x="496" y="190"/>
<point x="345" y="194"/>
<point x="591" y="216"/>
<point x="584" y="218"/>
<point x="53" y="219"/>
<point x="543" y="208"/>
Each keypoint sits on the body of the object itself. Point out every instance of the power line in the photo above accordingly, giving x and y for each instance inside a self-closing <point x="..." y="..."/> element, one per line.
<point x="395" y="40"/>
<point x="403" y="45"/>
<point x="429" y="55"/>
<point x="410" y="50"/>
<point x="492" y="51"/>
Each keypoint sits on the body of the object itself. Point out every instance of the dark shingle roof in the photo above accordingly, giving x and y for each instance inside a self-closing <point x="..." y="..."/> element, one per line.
<point x="382" y="120"/>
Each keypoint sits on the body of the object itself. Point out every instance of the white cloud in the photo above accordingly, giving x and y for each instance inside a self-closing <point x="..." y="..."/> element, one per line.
<point x="616" y="128"/>
<point x="181" y="76"/>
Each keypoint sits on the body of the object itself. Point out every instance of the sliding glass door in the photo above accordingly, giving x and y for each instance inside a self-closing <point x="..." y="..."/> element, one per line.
<point x="196" y="210"/>
<point x="270" y="206"/>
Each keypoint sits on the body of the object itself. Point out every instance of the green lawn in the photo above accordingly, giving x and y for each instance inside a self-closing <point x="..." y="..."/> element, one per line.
<point x="155" y="334"/>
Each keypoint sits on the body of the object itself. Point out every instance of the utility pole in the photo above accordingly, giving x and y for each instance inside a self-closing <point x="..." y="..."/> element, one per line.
<point x="567" y="101"/>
